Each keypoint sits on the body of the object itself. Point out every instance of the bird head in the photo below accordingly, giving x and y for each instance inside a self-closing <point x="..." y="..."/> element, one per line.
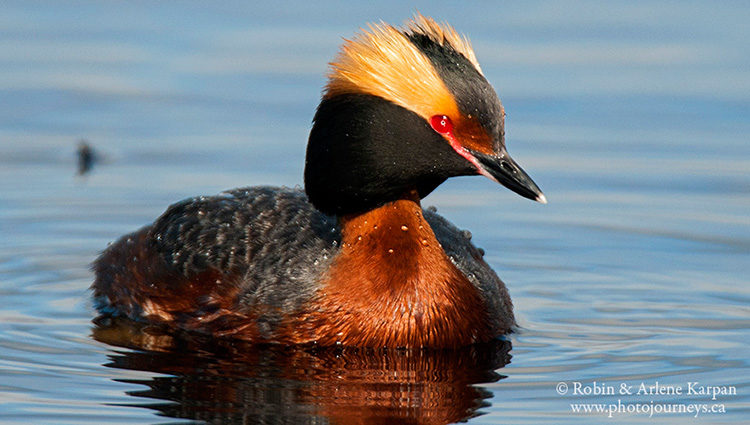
<point x="403" y="110"/>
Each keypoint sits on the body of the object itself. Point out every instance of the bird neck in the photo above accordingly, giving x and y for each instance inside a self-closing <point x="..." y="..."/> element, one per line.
<point x="392" y="275"/>
<point x="395" y="232"/>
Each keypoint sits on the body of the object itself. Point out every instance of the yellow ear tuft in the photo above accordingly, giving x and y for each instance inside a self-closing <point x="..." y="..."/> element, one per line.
<point x="384" y="62"/>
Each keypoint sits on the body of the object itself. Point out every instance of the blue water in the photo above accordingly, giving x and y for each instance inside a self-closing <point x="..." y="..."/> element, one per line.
<point x="631" y="116"/>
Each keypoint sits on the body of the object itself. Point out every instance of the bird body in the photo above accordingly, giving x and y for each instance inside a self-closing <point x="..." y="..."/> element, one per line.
<point x="354" y="259"/>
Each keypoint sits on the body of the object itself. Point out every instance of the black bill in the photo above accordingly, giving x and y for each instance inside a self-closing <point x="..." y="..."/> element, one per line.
<point x="505" y="171"/>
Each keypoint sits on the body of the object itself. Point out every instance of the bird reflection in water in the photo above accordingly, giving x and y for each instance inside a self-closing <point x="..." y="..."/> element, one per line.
<point x="222" y="381"/>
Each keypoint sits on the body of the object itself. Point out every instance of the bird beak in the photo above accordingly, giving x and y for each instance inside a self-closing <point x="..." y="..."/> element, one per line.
<point x="501" y="168"/>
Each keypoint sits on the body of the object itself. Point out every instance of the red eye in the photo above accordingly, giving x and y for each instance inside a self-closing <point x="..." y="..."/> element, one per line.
<point x="442" y="124"/>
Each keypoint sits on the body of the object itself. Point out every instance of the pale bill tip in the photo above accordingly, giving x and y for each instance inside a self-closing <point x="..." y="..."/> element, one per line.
<point x="541" y="199"/>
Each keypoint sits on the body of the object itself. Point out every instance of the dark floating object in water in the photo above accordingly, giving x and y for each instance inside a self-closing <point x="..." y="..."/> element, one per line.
<point x="86" y="157"/>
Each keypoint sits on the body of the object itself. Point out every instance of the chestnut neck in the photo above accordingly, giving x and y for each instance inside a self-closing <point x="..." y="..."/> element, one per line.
<point x="397" y="228"/>
<point x="392" y="284"/>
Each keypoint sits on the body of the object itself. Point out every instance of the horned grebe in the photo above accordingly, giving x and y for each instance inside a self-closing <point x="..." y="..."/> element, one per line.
<point x="354" y="259"/>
